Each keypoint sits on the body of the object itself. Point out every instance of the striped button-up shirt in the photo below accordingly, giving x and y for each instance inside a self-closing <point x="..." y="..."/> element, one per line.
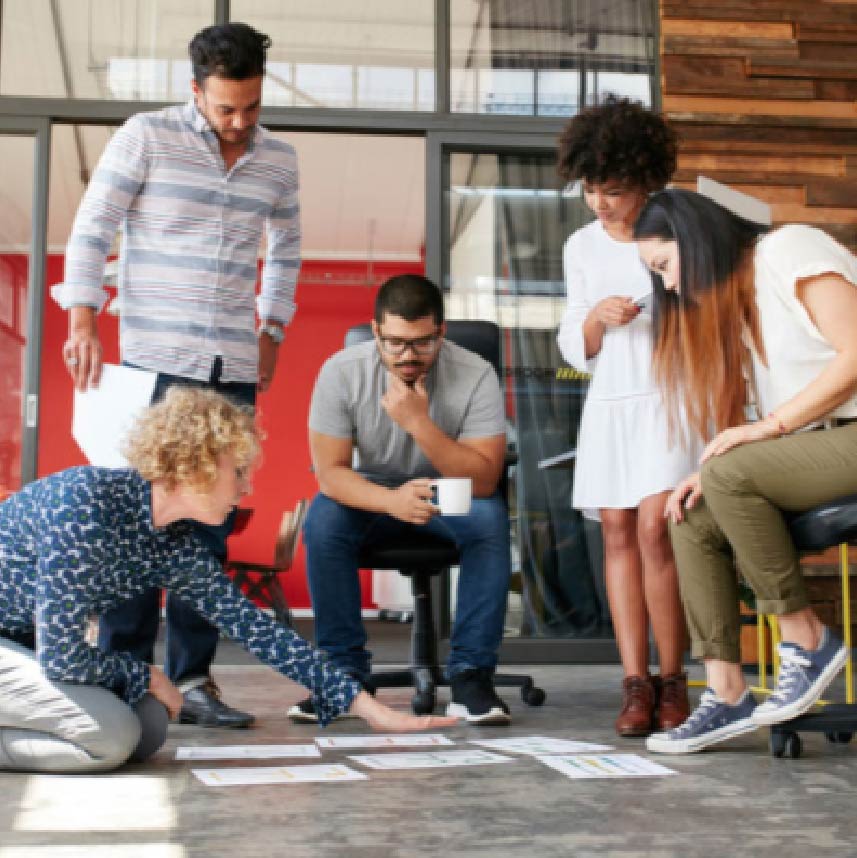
<point x="190" y="240"/>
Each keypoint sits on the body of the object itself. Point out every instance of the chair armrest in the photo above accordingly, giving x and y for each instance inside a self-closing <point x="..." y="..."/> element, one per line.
<point x="288" y="536"/>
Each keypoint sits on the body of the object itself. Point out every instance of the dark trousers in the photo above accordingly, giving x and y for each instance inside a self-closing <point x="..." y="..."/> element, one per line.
<point x="191" y="640"/>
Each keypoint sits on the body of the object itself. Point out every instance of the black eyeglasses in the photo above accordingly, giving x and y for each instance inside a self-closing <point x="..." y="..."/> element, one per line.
<point x="397" y="346"/>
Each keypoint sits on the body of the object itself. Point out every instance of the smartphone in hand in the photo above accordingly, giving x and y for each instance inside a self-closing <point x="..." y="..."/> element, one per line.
<point x="646" y="303"/>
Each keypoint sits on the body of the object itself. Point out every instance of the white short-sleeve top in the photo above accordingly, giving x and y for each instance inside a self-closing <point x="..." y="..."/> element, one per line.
<point x="597" y="266"/>
<point x="796" y="350"/>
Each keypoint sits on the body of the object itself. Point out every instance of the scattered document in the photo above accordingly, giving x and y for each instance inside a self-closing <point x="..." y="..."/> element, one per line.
<point x="540" y="745"/>
<point x="247" y="752"/>
<point x="104" y="414"/>
<point x="430" y="759"/>
<point x="278" y="775"/>
<point x="397" y="740"/>
<point x="606" y="766"/>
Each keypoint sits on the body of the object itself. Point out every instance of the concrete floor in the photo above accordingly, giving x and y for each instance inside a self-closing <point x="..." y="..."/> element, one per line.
<point x="730" y="802"/>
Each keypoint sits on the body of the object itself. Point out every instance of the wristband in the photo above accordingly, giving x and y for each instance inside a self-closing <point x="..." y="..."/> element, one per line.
<point x="781" y="427"/>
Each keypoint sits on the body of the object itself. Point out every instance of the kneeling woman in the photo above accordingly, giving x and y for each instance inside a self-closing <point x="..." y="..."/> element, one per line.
<point x="747" y="315"/>
<point x="76" y="543"/>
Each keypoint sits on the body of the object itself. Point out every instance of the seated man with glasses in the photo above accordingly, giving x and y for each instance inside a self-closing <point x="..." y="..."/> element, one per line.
<point x="414" y="407"/>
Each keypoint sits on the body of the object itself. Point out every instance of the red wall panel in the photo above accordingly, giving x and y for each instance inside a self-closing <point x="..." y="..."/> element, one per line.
<point x="330" y="300"/>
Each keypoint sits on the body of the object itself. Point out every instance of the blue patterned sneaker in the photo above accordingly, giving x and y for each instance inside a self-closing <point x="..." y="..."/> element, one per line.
<point x="712" y="721"/>
<point x="803" y="678"/>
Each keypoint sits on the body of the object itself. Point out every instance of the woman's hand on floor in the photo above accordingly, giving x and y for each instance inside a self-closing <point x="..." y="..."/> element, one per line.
<point x="384" y="719"/>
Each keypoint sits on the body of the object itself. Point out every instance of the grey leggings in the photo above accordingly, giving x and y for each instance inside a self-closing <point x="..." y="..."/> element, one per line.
<point x="48" y="726"/>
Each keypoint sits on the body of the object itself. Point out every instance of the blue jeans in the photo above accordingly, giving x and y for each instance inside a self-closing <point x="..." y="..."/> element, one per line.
<point x="334" y="535"/>
<point x="191" y="641"/>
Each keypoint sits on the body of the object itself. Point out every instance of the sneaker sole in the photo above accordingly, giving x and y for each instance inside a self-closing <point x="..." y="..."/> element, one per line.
<point x="301" y="717"/>
<point x="809" y="699"/>
<point x="691" y="746"/>
<point x="194" y="721"/>
<point x="495" y="717"/>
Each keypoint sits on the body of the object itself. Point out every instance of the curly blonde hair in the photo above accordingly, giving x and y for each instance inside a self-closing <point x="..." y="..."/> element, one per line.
<point x="179" y="440"/>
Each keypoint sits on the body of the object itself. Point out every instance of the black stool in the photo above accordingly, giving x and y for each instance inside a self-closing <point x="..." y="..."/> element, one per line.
<point x="816" y="530"/>
<point x="421" y="557"/>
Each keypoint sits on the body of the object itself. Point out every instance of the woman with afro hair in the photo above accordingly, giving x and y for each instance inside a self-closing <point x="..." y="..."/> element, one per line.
<point x="628" y="459"/>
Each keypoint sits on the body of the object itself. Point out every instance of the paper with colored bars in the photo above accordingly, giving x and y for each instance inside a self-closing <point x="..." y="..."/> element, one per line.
<point x="396" y="740"/>
<point x="606" y="766"/>
<point x="430" y="760"/>
<point x="540" y="745"/>
<point x="246" y="752"/>
<point x="278" y="775"/>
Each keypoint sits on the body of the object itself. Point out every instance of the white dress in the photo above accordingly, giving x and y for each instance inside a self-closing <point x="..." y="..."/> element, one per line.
<point x="624" y="452"/>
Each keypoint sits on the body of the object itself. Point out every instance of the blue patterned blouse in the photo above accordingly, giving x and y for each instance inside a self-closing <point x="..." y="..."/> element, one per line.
<point x="78" y="542"/>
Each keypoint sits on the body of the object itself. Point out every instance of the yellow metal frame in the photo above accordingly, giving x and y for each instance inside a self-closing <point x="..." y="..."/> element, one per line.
<point x="770" y="621"/>
<point x="846" y="620"/>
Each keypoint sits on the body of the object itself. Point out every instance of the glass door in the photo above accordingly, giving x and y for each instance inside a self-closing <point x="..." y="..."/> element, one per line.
<point x="504" y="215"/>
<point x="23" y="174"/>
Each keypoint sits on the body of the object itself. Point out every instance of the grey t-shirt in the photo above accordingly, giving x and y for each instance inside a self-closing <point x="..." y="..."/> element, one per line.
<point x="464" y="402"/>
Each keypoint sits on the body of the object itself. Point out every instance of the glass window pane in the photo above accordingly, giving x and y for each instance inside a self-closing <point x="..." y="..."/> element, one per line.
<point x="547" y="57"/>
<point x="508" y="221"/>
<point x="105" y="49"/>
<point x="371" y="54"/>
<point x="16" y="224"/>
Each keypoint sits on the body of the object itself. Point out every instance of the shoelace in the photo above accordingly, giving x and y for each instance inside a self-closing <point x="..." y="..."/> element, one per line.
<point x="671" y="692"/>
<point x="707" y="703"/>
<point x="792" y="662"/>
<point x="636" y="693"/>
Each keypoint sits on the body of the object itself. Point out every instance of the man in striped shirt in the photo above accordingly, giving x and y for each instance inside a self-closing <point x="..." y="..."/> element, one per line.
<point x="191" y="189"/>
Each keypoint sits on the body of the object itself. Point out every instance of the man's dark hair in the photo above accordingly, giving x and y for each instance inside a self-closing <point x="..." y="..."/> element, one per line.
<point x="233" y="51"/>
<point x="619" y="140"/>
<point x="410" y="296"/>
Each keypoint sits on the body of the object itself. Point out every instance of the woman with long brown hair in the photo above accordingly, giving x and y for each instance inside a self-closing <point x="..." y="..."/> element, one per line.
<point x="750" y="319"/>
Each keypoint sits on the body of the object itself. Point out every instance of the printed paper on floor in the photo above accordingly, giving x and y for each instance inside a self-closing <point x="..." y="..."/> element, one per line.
<point x="278" y="775"/>
<point x="412" y="740"/>
<point x="540" y="745"/>
<point x="246" y="752"/>
<point x="430" y="759"/>
<point x="606" y="766"/>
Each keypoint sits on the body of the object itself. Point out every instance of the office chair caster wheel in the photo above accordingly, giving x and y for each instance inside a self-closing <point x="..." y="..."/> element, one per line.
<point x="786" y="745"/>
<point x="422" y="703"/>
<point x="842" y="738"/>
<point x="531" y="695"/>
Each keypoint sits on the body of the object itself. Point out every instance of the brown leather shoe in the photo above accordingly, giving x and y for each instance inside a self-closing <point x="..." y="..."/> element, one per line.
<point x="638" y="707"/>
<point x="673" y="706"/>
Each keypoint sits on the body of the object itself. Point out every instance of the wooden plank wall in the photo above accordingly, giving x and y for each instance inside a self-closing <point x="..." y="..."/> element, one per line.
<point x="764" y="96"/>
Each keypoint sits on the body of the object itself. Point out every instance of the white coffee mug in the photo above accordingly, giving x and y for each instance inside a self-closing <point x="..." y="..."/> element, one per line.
<point x="452" y="495"/>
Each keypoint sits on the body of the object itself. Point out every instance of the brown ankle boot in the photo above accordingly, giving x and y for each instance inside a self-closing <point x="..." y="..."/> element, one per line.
<point x="638" y="707"/>
<point x="673" y="706"/>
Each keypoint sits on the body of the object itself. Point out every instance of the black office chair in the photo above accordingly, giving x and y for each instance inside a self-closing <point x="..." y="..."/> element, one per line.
<point x="421" y="557"/>
<point x="817" y="529"/>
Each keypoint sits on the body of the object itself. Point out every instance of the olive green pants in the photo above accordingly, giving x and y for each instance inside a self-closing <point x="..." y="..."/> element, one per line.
<point x="739" y="525"/>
